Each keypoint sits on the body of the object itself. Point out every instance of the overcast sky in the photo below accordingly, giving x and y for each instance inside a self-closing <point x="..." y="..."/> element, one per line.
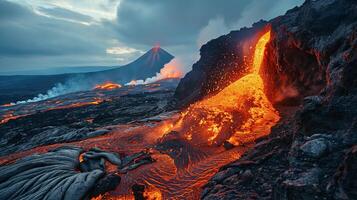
<point x="37" y="34"/>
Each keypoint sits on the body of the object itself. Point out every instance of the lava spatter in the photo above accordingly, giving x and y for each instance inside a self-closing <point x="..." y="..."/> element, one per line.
<point x="239" y="113"/>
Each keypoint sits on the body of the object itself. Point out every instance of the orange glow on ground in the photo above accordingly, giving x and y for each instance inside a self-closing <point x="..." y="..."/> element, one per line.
<point x="58" y="105"/>
<point x="107" y="86"/>
<point x="96" y="101"/>
<point x="9" y="116"/>
<point x="152" y="193"/>
<point x="7" y="105"/>
<point x="162" y="177"/>
<point x="239" y="113"/>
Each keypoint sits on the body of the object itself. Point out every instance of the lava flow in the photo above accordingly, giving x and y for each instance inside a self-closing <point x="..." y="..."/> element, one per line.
<point x="9" y="116"/>
<point x="107" y="86"/>
<point x="239" y="113"/>
<point x="95" y="101"/>
<point x="187" y="146"/>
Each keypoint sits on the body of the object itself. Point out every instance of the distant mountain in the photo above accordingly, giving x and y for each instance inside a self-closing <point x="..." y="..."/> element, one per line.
<point x="144" y="67"/>
<point x="22" y="87"/>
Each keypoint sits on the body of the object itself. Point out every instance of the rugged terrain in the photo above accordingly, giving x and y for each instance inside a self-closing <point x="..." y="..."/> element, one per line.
<point x="124" y="143"/>
<point x="104" y="144"/>
<point x="79" y="115"/>
<point x="310" y="66"/>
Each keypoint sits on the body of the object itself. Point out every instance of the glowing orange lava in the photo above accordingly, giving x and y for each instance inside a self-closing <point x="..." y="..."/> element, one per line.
<point x="7" y="105"/>
<point x="96" y="101"/>
<point x="107" y="86"/>
<point x="152" y="193"/>
<point x="9" y="116"/>
<point x="109" y="197"/>
<point x="239" y="113"/>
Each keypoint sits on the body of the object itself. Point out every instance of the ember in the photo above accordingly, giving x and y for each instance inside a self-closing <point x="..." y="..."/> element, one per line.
<point x="239" y="113"/>
<point x="107" y="86"/>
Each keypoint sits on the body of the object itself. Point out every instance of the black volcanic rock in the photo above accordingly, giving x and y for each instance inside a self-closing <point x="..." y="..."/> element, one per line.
<point x="223" y="60"/>
<point x="53" y="175"/>
<point x="61" y="174"/>
<point x="310" y="62"/>
<point x="45" y="125"/>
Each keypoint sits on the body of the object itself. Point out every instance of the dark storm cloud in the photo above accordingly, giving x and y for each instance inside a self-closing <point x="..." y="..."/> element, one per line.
<point x="24" y="33"/>
<point x="172" y="21"/>
<point x="182" y="26"/>
<point x="71" y="37"/>
<point x="11" y="11"/>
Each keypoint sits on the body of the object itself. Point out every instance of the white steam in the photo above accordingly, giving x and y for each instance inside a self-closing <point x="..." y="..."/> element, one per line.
<point x="170" y="70"/>
<point x="72" y="85"/>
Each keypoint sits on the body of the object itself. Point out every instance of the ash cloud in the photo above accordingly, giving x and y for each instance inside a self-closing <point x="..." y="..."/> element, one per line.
<point x="55" y="39"/>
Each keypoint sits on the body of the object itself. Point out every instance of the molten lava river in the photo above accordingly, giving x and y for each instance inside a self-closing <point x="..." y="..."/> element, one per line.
<point x="239" y="113"/>
<point x="189" y="147"/>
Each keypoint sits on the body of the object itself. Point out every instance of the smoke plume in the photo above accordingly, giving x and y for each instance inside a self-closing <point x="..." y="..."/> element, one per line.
<point x="170" y="70"/>
<point x="72" y="85"/>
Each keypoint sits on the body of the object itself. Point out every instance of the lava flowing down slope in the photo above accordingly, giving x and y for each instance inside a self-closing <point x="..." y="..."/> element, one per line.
<point x="187" y="148"/>
<point x="239" y="114"/>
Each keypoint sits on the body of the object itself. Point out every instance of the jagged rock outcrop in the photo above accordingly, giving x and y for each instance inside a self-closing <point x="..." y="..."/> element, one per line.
<point x="311" y="62"/>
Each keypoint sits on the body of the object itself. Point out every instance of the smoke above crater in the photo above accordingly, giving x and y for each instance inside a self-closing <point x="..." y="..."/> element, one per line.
<point x="173" y="69"/>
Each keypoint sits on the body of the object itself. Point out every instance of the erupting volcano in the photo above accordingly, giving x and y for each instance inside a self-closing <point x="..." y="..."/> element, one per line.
<point x="177" y="155"/>
<point x="266" y="112"/>
<point x="186" y="149"/>
<point x="238" y="114"/>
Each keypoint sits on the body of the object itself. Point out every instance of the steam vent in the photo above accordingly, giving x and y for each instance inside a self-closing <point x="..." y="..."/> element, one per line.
<point x="266" y="112"/>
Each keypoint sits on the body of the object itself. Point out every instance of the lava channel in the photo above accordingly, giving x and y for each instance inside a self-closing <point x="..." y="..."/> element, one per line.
<point x="188" y="146"/>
